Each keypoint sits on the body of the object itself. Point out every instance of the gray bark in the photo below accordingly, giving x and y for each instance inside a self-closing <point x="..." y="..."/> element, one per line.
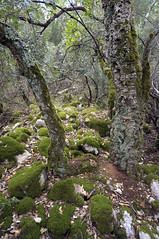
<point x="126" y="71"/>
<point x="37" y="82"/>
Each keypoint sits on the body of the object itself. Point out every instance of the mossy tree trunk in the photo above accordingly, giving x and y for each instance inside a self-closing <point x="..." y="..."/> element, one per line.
<point x="121" y="40"/>
<point x="37" y="82"/>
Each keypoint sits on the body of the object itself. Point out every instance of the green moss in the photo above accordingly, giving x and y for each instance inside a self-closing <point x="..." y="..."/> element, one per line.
<point x="29" y="229"/>
<point x="148" y="179"/>
<point x="75" y="103"/>
<point x="59" y="222"/>
<point x="34" y="107"/>
<point x="148" y="230"/>
<point x="11" y="165"/>
<point x="1" y="171"/>
<point x="26" y="181"/>
<point x="87" y="184"/>
<point x="72" y="145"/>
<point x="41" y="213"/>
<point x="155" y="205"/>
<point x="149" y="150"/>
<point x="23" y="130"/>
<point x="106" y="146"/>
<point x="101" y="125"/>
<point x="23" y="138"/>
<point x="76" y="124"/>
<point x="70" y="109"/>
<point x="153" y="169"/>
<point x="146" y="129"/>
<point x="5" y="208"/>
<point x="94" y="135"/>
<point x="43" y="146"/>
<point x="79" y="137"/>
<point x="89" y="110"/>
<point x="7" y="223"/>
<point x="16" y="121"/>
<point x="75" y="153"/>
<point x="26" y="205"/>
<point x="101" y="213"/>
<point x="43" y="132"/>
<point x="69" y="128"/>
<point x="74" y="114"/>
<point x="89" y="141"/>
<point x="67" y="153"/>
<point x="20" y="136"/>
<point x="65" y="190"/>
<point x="9" y="148"/>
<point x="30" y="117"/>
<point x="62" y="115"/>
<point x="78" y="230"/>
<point x="16" y="113"/>
<point x="80" y="132"/>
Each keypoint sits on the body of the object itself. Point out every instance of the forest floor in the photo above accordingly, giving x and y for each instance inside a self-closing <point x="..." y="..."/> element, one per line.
<point x="124" y="190"/>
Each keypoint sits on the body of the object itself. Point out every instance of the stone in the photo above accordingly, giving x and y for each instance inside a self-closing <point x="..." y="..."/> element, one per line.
<point x="90" y="149"/>
<point x="37" y="219"/>
<point x="23" y="157"/>
<point x="127" y="223"/>
<point x="43" y="177"/>
<point x="143" y="235"/>
<point x="155" y="188"/>
<point x="40" y="123"/>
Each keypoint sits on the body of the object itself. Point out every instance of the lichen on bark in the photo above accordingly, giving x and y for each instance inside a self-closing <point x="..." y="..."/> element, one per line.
<point x="126" y="71"/>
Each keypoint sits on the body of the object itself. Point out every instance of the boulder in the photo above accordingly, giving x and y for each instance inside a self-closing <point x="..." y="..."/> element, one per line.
<point x="23" y="157"/>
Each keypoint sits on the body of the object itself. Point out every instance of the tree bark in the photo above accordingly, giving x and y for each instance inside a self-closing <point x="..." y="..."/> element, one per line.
<point x="121" y="38"/>
<point x="37" y="82"/>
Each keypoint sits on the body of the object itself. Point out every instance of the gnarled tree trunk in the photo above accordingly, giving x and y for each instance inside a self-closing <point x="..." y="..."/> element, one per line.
<point x="37" y="82"/>
<point x="121" y="40"/>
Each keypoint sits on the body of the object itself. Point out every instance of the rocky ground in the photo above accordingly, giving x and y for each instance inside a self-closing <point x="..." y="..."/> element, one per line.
<point x="130" y="194"/>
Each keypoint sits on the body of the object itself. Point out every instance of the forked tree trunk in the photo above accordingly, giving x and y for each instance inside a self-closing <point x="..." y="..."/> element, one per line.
<point x="121" y="39"/>
<point x="37" y="82"/>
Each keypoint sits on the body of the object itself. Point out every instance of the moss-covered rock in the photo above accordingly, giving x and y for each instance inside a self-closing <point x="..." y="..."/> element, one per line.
<point x="101" y="125"/>
<point x="101" y="213"/>
<point x="43" y="146"/>
<point x="19" y="136"/>
<point x="72" y="145"/>
<point x="78" y="230"/>
<point x="26" y="182"/>
<point x="89" y="110"/>
<point x="155" y="205"/>
<point x="29" y="229"/>
<point x="9" y="148"/>
<point x="26" y="205"/>
<point x="73" y="114"/>
<point x="75" y="153"/>
<point x="59" y="222"/>
<point x="62" y="115"/>
<point x="89" y="145"/>
<point x="69" y="128"/>
<point x="41" y="214"/>
<point x="44" y="132"/>
<point x="80" y="132"/>
<point x="65" y="190"/>
<point x="149" y="230"/>
<point x="150" y="177"/>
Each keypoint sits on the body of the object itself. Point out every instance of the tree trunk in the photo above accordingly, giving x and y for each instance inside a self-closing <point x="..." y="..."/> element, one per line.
<point x="37" y="82"/>
<point x="126" y="77"/>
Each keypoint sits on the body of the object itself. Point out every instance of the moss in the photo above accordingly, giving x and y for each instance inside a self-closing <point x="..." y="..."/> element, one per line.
<point x="34" y="149"/>
<point x="16" y="121"/>
<point x="72" y="145"/>
<point x="78" y="230"/>
<point x="30" y="117"/>
<point x="101" y="213"/>
<point x="65" y="190"/>
<point x="73" y="114"/>
<point x="76" y="124"/>
<point x="34" y="107"/>
<point x="9" y="148"/>
<point x="75" y="153"/>
<point x="106" y="146"/>
<point x="43" y="132"/>
<point x="19" y="136"/>
<point x="75" y="103"/>
<point x="7" y="223"/>
<point x="5" y="208"/>
<point x="26" y="181"/>
<point x="101" y="125"/>
<point x="16" y="113"/>
<point x="62" y="115"/>
<point x="89" y="110"/>
<point x="80" y="132"/>
<point x="23" y="130"/>
<point x="149" y="169"/>
<point x="70" y="109"/>
<point x="149" y="150"/>
<point x="87" y="184"/>
<point x="146" y="129"/>
<point x="79" y="137"/>
<point x="89" y="141"/>
<point x="94" y="135"/>
<point x="1" y="171"/>
<point x="155" y="205"/>
<point x="11" y="165"/>
<point x="41" y="214"/>
<point x="120" y="233"/>
<point x="148" y="179"/>
<point x="29" y="229"/>
<point x="59" y="222"/>
<point x="67" y="153"/>
<point x="43" y="146"/>
<point x="146" y="228"/>
<point x="26" y="205"/>
<point x="69" y="128"/>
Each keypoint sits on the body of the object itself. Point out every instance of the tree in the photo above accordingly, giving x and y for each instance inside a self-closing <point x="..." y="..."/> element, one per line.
<point x="121" y="40"/>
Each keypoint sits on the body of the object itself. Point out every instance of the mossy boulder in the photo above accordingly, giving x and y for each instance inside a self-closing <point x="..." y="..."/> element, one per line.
<point x="147" y="231"/>
<point x="42" y="215"/>
<point x="9" y="148"/>
<point x="43" y="132"/>
<point x="26" y="182"/>
<point x="20" y="137"/>
<point x="43" y="146"/>
<point x="89" y="110"/>
<point x="83" y="164"/>
<point x="59" y="222"/>
<point x="62" y="115"/>
<point x="69" y="128"/>
<point x="101" y="125"/>
<point x="78" y="230"/>
<point x="101" y="212"/>
<point x="89" y="145"/>
<point x="6" y="210"/>
<point x="65" y="190"/>
<point x="26" y="205"/>
<point x="29" y="229"/>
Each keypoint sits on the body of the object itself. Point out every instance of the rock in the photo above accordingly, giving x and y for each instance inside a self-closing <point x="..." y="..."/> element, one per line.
<point x="90" y="149"/>
<point x="37" y="219"/>
<point x="127" y="223"/>
<point x="40" y="123"/>
<point x="15" y="126"/>
<point x="43" y="177"/>
<point x="151" y="200"/>
<point x="155" y="188"/>
<point x="23" y="157"/>
<point x="79" y="189"/>
<point x="143" y="235"/>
